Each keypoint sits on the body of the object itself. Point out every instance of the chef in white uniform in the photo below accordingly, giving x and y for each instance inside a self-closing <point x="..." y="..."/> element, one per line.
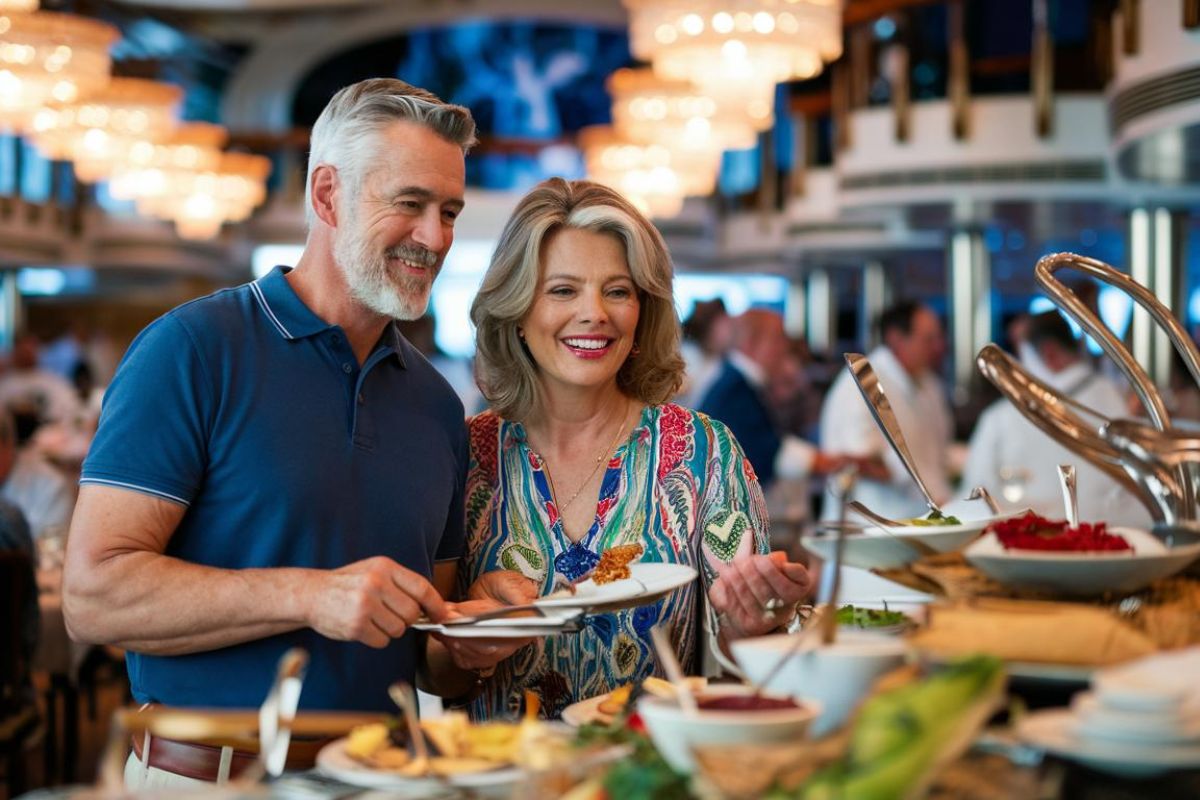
<point x="913" y="348"/>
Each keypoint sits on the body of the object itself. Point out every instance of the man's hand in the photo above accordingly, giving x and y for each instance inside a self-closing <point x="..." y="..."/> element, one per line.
<point x="757" y="593"/>
<point x="372" y="601"/>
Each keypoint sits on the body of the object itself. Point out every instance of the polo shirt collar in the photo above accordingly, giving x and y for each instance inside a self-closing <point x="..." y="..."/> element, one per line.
<point x="284" y="309"/>
<point x="293" y="320"/>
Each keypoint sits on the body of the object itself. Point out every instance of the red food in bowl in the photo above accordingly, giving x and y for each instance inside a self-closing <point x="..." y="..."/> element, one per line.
<point x="1031" y="532"/>
<point x="745" y="702"/>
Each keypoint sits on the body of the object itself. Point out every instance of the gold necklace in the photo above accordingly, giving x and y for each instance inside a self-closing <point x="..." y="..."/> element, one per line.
<point x="562" y="509"/>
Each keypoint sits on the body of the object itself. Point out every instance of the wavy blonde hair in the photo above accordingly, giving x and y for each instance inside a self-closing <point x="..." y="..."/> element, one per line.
<point x="506" y="372"/>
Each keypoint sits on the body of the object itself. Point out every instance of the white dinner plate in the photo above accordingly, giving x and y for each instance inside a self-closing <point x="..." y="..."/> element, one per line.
<point x="1171" y="726"/>
<point x="566" y="621"/>
<point x="1082" y="574"/>
<point x="585" y="711"/>
<point x="333" y="761"/>
<point x="1054" y="730"/>
<point x="647" y="582"/>
<point x="1162" y="683"/>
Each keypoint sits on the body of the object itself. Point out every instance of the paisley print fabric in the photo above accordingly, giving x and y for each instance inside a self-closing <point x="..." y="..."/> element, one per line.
<point x="679" y="485"/>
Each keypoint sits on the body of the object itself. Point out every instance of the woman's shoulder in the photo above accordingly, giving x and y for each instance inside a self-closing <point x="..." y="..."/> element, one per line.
<point x="484" y="423"/>
<point x="701" y="424"/>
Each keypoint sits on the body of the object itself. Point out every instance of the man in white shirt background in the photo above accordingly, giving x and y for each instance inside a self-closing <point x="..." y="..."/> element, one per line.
<point x="906" y="363"/>
<point x="1018" y="463"/>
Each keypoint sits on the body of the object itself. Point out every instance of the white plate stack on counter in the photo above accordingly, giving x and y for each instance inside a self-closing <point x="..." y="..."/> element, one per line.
<point x="1139" y="719"/>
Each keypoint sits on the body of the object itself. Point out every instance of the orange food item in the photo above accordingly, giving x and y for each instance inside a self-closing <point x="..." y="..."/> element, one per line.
<point x="614" y="563"/>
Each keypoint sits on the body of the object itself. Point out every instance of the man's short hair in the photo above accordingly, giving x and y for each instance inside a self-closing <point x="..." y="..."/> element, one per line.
<point x="1050" y="326"/>
<point x="345" y="133"/>
<point x="897" y="318"/>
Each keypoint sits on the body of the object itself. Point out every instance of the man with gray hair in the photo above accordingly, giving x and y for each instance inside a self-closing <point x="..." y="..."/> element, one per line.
<point x="275" y="466"/>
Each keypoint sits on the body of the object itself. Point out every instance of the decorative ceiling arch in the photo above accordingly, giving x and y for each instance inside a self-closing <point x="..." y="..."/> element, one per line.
<point x="259" y="95"/>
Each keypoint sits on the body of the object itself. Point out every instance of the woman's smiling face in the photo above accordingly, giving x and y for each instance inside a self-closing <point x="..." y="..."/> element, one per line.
<point x="584" y="317"/>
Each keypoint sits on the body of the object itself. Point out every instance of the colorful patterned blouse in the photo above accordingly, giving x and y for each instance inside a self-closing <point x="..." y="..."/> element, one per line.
<point x="679" y="483"/>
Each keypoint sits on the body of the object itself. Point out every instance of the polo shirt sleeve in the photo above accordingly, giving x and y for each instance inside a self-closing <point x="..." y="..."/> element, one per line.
<point x="153" y="431"/>
<point x="454" y="537"/>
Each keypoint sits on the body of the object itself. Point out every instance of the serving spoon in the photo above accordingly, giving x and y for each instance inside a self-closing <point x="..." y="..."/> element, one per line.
<point x="881" y="409"/>
<point x="1066" y="478"/>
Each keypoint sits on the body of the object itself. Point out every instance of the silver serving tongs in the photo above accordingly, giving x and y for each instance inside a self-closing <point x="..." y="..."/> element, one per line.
<point x="881" y="409"/>
<point x="1170" y="498"/>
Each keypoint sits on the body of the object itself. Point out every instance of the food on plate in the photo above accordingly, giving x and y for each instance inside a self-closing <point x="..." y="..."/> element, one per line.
<point x="745" y="702"/>
<point x="614" y="702"/>
<point x="614" y="563"/>
<point x="932" y="519"/>
<point x="1031" y="532"/>
<point x="855" y="617"/>
<point x="459" y="747"/>
<point x="1029" y="630"/>
<point x="901" y="736"/>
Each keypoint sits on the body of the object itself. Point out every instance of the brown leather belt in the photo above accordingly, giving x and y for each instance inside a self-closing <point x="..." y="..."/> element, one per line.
<point x="203" y="761"/>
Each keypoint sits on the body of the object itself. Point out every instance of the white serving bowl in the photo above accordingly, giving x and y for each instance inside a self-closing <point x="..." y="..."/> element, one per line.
<point x="877" y="548"/>
<point x="838" y="676"/>
<point x="1082" y="573"/>
<point x="675" y="731"/>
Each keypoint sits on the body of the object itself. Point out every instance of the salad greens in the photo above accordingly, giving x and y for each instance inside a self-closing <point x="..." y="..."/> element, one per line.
<point x="855" y="617"/>
<point x="932" y="519"/>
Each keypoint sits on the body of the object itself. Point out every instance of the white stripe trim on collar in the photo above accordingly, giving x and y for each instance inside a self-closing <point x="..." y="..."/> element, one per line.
<point x="262" y="301"/>
<point x="136" y="488"/>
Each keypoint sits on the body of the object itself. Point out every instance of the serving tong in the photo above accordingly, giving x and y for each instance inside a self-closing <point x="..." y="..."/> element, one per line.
<point x="1159" y="464"/>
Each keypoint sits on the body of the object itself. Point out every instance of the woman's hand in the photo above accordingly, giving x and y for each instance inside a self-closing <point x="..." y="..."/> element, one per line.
<point x="504" y="586"/>
<point x="755" y="594"/>
<point x="492" y="590"/>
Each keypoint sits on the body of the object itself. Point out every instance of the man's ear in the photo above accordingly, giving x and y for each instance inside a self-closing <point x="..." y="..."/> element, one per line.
<point x="324" y="194"/>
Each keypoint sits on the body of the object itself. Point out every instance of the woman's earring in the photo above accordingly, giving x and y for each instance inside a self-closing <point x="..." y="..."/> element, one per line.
<point x="635" y="351"/>
<point x="521" y="334"/>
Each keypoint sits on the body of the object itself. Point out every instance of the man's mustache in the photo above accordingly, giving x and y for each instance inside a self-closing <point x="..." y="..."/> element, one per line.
<point x="418" y="255"/>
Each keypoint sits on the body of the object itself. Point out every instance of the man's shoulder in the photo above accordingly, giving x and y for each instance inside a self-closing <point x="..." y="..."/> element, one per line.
<point x="224" y="307"/>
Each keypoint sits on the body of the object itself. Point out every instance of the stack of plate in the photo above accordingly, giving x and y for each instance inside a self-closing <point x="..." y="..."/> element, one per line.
<point x="1139" y="719"/>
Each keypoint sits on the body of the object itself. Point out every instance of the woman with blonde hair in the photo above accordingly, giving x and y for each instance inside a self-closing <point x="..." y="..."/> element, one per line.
<point x="578" y="353"/>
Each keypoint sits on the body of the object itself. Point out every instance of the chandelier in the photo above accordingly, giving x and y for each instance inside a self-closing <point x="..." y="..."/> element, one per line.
<point x="736" y="47"/>
<point x="649" y="109"/>
<point x="47" y="57"/>
<point x="99" y="133"/>
<point x="653" y="177"/>
<point x="157" y="169"/>
<point x="200" y="202"/>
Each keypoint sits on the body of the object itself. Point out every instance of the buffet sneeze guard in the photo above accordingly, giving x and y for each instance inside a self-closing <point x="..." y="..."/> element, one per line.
<point x="1158" y="463"/>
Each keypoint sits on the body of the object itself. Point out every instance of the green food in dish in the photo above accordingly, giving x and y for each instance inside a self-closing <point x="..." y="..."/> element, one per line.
<point x="899" y="735"/>
<point x="933" y="519"/>
<point x="869" y="617"/>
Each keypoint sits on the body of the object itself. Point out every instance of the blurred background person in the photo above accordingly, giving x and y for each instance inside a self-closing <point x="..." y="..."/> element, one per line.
<point x="707" y="335"/>
<point x="27" y="389"/>
<point x="43" y="494"/>
<point x="1018" y="463"/>
<point x="906" y="364"/>
<point x="738" y="397"/>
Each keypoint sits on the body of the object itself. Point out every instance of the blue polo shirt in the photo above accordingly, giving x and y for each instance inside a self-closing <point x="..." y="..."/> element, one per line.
<point x="252" y="412"/>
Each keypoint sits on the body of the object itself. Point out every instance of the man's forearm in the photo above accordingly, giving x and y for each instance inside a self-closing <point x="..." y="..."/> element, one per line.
<point x="152" y="603"/>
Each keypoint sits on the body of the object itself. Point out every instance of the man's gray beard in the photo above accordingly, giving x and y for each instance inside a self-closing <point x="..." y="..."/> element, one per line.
<point x="402" y="297"/>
